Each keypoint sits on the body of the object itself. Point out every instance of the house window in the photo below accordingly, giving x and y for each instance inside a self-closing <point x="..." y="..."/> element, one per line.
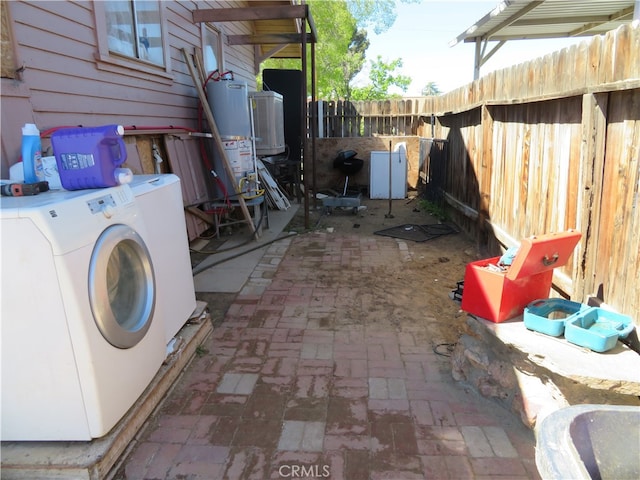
<point x="134" y="29"/>
<point x="211" y="50"/>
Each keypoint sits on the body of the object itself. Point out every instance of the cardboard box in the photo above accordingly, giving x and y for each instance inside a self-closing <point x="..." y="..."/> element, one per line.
<point x="501" y="295"/>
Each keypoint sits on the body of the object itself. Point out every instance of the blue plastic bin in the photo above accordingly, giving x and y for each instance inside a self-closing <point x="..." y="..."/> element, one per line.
<point x="597" y="328"/>
<point x="536" y="315"/>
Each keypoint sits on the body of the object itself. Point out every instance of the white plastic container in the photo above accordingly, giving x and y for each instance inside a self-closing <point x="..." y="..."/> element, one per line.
<point x="32" y="154"/>
<point x="51" y="175"/>
<point x="16" y="173"/>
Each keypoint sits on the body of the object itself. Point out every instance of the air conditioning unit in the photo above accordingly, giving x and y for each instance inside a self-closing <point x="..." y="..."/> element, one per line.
<point x="268" y="122"/>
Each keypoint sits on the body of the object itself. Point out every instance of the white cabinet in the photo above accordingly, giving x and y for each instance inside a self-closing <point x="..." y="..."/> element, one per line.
<point x="379" y="174"/>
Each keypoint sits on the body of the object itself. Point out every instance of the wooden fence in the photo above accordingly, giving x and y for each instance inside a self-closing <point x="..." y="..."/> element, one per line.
<point x="550" y="145"/>
<point x="396" y="117"/>
<point x="544" y="146"/>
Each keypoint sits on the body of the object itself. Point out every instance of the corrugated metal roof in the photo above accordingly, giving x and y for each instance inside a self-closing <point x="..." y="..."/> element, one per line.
<point x="533" y="19"/>
<point x="537" y="19"/>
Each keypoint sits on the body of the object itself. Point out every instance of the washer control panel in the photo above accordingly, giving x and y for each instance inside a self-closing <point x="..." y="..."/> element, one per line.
<point x="101" y="204"/>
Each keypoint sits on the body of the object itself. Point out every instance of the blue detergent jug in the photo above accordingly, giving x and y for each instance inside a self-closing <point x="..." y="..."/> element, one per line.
<point x="32" y="154"/>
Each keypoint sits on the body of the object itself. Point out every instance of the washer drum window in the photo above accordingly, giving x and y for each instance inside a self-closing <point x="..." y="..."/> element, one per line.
<point x="121" y="286"/>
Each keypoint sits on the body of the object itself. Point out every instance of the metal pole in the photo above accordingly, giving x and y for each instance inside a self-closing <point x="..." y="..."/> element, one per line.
<point x="305" y="129"/>
<point x="478" y="59"/>
<point x="314" y="120"/>
<point x="389" y="215"/>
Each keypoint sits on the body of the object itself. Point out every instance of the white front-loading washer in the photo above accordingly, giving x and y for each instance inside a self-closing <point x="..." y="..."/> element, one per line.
<point x="159" y="198"/>
<point x="80" y="341"/>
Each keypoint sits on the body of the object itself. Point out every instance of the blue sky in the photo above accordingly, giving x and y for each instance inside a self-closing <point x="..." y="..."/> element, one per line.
<point x="421" y="36"/>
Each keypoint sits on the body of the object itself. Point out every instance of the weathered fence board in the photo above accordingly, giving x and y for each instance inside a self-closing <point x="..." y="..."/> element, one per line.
<point x="343" y="118"/>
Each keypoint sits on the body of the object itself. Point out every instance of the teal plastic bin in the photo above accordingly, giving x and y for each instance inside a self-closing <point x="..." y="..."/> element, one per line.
<point x="597" y="328"/>
<point x="549" y="315"/>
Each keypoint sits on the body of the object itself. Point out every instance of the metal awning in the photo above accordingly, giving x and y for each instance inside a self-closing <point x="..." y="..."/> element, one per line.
<point x="536" y="19"/>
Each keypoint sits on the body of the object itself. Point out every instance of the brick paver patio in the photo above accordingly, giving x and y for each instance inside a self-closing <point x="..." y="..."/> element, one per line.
<point x="289" y="388"/>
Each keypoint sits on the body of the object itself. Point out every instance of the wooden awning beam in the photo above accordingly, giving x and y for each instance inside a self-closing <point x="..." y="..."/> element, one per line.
<point x="261" y="57"/>
<point x="270" y="38"/>
<point x="248" y="14"/>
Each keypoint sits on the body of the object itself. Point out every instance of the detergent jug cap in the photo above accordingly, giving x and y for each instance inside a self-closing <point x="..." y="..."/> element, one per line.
<point x="120" y="130"/>
<point x="123" y="175"/>
<point x="30" y="129"/>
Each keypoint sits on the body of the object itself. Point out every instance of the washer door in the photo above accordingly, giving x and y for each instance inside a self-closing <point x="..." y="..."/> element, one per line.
<point x="122" y="289"/>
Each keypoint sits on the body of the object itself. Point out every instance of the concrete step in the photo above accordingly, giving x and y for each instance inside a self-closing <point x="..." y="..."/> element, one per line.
<point x="534" y="374"/>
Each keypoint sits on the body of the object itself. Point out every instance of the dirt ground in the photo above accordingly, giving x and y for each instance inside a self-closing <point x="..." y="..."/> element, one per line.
<point x="419" y="290"/>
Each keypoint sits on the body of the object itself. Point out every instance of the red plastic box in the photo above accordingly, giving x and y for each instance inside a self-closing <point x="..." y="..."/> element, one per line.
<point x="499" y="296"/>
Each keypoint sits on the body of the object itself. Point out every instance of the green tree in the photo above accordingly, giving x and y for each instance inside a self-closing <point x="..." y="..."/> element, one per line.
<point x="376" y="14"/>
<point x="354" y="60"/>
<point x="342" y="42"/>
<point x="430" y="89"/>
<point x="339" y="50"/>
<point x="382" y="78"/>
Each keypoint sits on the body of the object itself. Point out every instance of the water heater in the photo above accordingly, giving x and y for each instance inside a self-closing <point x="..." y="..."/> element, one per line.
<point x="229" y="104"/>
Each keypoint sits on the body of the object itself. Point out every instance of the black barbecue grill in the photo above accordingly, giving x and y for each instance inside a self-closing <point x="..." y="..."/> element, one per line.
<point x="348" y="164"/>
